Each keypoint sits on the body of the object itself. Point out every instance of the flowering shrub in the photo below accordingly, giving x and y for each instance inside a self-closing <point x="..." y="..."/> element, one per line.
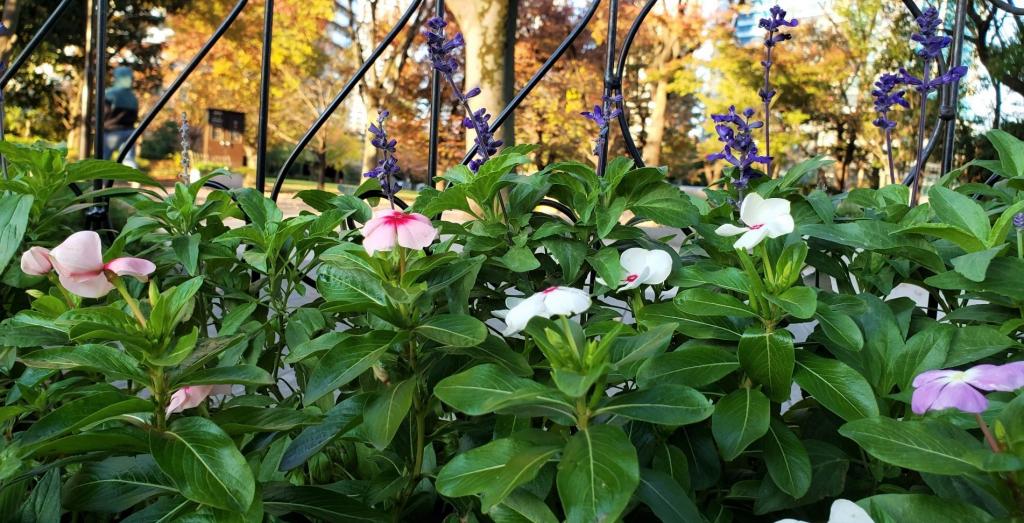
<point x="755" y="359"/>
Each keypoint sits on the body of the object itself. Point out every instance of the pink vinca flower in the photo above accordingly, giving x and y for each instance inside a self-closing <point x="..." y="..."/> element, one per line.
<point x="36" y="261"/>
<point x="79" y="264"/>
<point x="389" y="228"/>
<point x="961" y="389"/>
<point x="192" y="396"/>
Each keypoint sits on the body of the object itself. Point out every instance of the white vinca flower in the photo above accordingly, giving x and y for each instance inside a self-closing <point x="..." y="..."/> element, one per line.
<point x="843" y="511"/>
<point x="763" y="219"/>
<point x="643" y="267"/>
<point x="553" y="301"/>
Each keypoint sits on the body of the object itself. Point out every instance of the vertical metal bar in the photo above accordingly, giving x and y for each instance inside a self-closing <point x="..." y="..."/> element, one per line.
<point x="508" y="130"/>
<point x="261" y="132"/>
<point x="609" y="78"/>
<point x="620" y="71"/>
<point x="33" y="43"/>
<point x="435" y="111"/>
<point x="101" y="79"/>
<point x="952" y="99"/>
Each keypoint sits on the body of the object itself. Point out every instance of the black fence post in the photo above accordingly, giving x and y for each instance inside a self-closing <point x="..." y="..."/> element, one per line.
<point x="609" y="79"/>
<point x="261" y="136"/>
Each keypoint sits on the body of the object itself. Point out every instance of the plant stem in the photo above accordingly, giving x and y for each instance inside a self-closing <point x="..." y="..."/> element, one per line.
<point x="921" y="125"/>
<point x="1020" y="243"/>
<point x="989" y="438"/>
<point x="767" y="108"/>
<point x="888" y="152"/>
<point x="132" y="304"/>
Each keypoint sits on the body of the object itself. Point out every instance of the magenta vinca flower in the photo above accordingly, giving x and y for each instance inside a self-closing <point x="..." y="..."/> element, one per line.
<point x="78" y="261"/>
<point x="962" y="389"/>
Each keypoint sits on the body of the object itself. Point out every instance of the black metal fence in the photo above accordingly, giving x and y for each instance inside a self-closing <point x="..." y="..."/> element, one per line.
<point x="943" y="130"/>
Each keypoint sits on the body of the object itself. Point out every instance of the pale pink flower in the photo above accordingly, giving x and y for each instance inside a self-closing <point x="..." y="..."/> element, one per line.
<point x="79" y="263"/>
<point x="192" y="396"/>
<point x="36" y="261"/>
<point x="390" y="227"/>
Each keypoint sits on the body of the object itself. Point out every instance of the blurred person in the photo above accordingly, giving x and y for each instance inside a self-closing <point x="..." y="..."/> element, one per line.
<point x="120" y="115"/>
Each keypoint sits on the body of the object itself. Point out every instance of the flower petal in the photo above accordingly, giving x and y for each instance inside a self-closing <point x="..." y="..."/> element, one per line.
<point x="521" y="314"/>
<point x="925" y="396"/>
<point x="414" y="234"/>
<point x="137" y="268"/>
<point x="36" y="261"/>
<point x="634" y="260"/>
<point x="750" y="209"/>
<point x="566" y="301"/>
<point x="729" y="229"/>
<point x="380" y="238"/>
<point x="961" y="396"/>
<point x="80" y="255"/>
<point x="933" y="375"/>
<point x="96" y="286"/>
<point x="1009" y="377"/>
<point x="846" y="511"/>
<point x="659" y="264"/>
<point x="750" y="239"/>
<point x="780" y="225"/>
<point x="769" y="210"/>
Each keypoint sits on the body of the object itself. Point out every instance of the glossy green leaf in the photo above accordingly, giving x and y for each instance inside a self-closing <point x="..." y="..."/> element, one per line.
<point x="489" y="388"/>
<point x="320" y="503"/>
<point x="768" y="358"/>
<point x="14" y="213"/>
<point x="666" y="498"/>
<point x="385" y="411"/>
<point x="799" y="302"/>
<point x="923" y="508"/>
<point x="740" y="419"/>
<point x="204" y="464"/>
<point x="455" y="330"/>
<point x="597" y="475"/>
<point x="83" y="412"/>
<point x="234" y="375"/>
<point x="345" y="362"/>
<point x="96" y="358"/>
<point x="704" y="302"/>
<point x="694" y="366"/>
<point x="244" y="419"/>
<point x="116" y="484"/>
<point x="703" y="328"/>
<point x="839" y="328"/>
<point x="1011" y="151"/>
<point x="339" y="420"/>
<point x="44" y="504"/>
<point x="786" y="459"/>
<point x="661" y="404"/>
<point x="915" y="445"/>
<point x="522" y="507"/>
<point x="836" y="386"/>
<point x="959" y="211"/>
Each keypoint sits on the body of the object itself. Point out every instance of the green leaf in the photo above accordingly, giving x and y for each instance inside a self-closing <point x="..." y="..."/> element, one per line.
<point x="244" y="419"/>
<point x="768" y="358"/>
<point x="974" y="265"/>
<point x="496" y="469"/>
<point x="44" y="504"/>
<point x="14" y="214"/>
<point x="699" y="327"/>
<point x="959" y="211"/>
<point x="608" y="217"/>
<point x="345" y="362"/>
<point x="455" y="330"/>
<point x="235" y="375"/>
<point x="489" y="388"/>
<point x="115" y="484"/>
<point x="385" y="412"/>
<point x="836" y="386"/>
<point x="607" y="265"/>
<point x="522" y="507"/>
<point x="975" y="342"/>
<point x="204" y="464"/>
<point x="666" y="498"/>
<point x="318" y="502"/>
<point x="787" y="460"/>
<point x="340" y="419"/>
<point x="627" y="350"/>
<point x="798" y="171"/>
<point x="839" y="328"/>
<point x="662" y="404"/>
<point x="93" y="169"/>
<point x="597" y="474"/>
<point x="83" y="412"/>
<point x="916" y="445"/>
<point x="667" y="205"/>
<point x="186" y="250"/>
<point x="799" y="302"/>
<point x="694" y="366"/>
<point x="569" y="255"/>
<point x="705" y="302"/>
<point x="96" y="358"/>
<point x="922" y="508"/>
<point x="740" y="419"/>
<point x="351" y="287"/>
<point x="519" y="259"/>
<point x="1011" y="151"/>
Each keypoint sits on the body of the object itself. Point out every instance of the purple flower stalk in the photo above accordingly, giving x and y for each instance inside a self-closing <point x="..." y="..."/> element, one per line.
<point x="740" y="150"/>
<point x="1018" y="220"/>
<point x="962" y="390"/>
<point x="602" y="115"/>
<point x="931" y="48"/>
<point x="440" y="51"/>
<point x="885" y="99"/>
<point x="387" y="166"/>
<point x="773" y="35"/>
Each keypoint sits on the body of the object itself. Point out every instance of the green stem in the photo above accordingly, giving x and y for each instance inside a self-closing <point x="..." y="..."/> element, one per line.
<point x="132" y="304"/>
<point x="160" y="396"/>
<point x="769" y="271"/>
<point x="1020" y="243"/>
<point x="756" y="285"/>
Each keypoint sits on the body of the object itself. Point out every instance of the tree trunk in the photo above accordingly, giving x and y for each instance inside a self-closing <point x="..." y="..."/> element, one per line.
<point x="655" y="133"/>
<point x="482" y="23"/>
<point x="10" y="20"/>
<point x="321" y="162"/>
<point x="84" y="87"/>
<point x="369" y="151"/>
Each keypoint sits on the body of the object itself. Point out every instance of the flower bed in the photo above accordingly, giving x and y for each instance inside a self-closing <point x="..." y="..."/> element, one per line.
<point x="345" y="365"/>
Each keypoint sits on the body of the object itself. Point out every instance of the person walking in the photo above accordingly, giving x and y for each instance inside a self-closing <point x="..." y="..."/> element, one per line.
<point x="121" y="114"/>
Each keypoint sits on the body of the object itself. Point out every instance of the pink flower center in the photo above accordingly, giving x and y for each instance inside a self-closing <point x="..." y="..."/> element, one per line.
<point x="756" y="226"/>
<point x="397" y="219"/>
<point x="632" y="278"/>
<point x="549" y="290"/>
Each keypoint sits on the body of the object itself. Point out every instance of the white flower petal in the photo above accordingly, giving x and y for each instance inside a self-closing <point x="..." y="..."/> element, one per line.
<point x="659" y="265"/>
<point x="749" y="208"/>
<point x="768" y="210"/>
<point x="730" y="230"/>
<point x="634" y="260"/>
<point x="846" y="511"/>
<point x="780" y="225"/>
<point x="520" y="315"/>
<point x="750" y="239"/>
<point x="566" y="301"/>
